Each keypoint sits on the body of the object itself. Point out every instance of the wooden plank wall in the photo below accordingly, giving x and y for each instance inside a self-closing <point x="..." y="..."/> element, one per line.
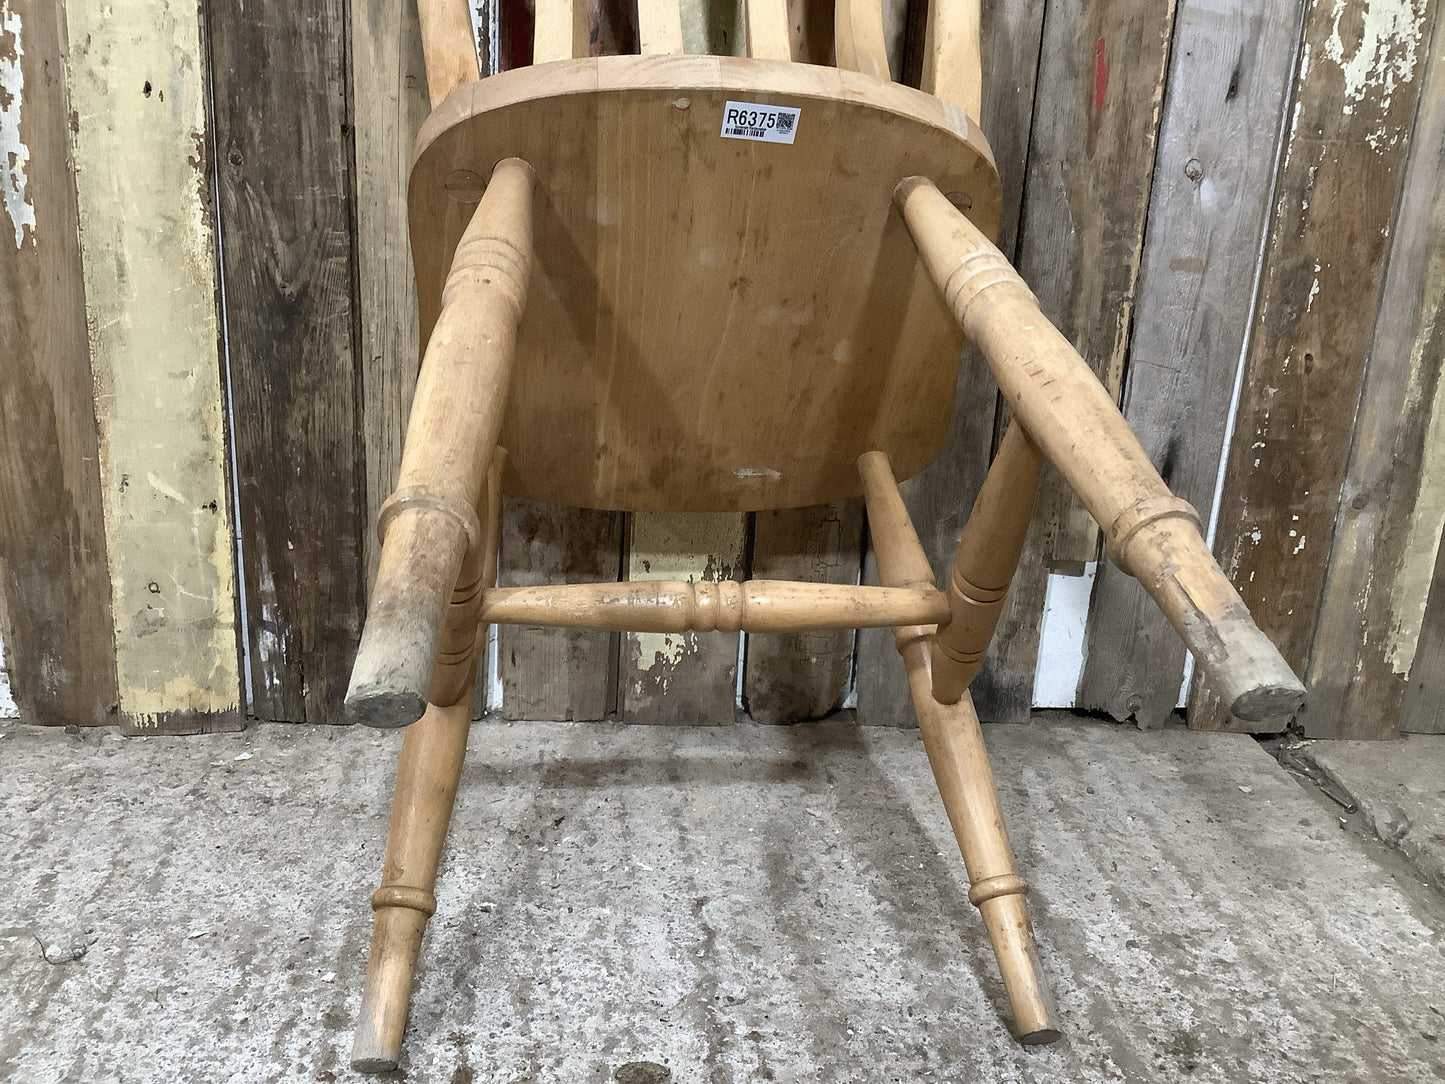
<point x="1203" y="193"/>
<point x="1319" y="295"/>
<point x="55" y="610"/>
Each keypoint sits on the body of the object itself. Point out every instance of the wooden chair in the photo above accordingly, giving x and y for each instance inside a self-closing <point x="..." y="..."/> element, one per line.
<point x="686" y="283"/>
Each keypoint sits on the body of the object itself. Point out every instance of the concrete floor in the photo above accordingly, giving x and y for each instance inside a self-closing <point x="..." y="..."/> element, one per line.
<point x="734" y="904"/>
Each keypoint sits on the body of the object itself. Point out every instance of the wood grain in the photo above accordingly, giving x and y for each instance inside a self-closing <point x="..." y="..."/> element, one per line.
<point x="1392" y="505"/>
<point x="609" y="410"/>
<point x="55" y="604"/>
<point x="807" y="675"/>
<point x="147" y="243"/>
<point x="557" y="673"/>
<point x="1086" y="197"/>
<point x="1423" y="709"/>
<point x="389" y="102"/>
<point x="1230" y="74"/>
<point x="1319" y="294"/>
<point x="939" y="497"/>
<point x="282" y="123"/>
<point x="681" y="678"/>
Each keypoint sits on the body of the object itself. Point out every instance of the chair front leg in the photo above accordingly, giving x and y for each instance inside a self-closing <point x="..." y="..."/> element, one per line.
<point x="1150" y="533"/>
<point x="430" y="522"/>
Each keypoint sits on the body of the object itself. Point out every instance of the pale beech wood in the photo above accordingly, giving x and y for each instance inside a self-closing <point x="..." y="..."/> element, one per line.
<point x="900" y="556"/>
<point x="952" y="57"/>
<point x="659" y="27"/>
<point x="563" y="30"/>
<point x="858" y="38"/>
<point x="462" y="638"/>
<point x="702" y="606"/>
<point x="426" y="788"/>
<point x="448" y="45"/>
<point x="1150" y="534"/>
<point x="430" y="520"/>
<point x="988" y="555"/>
<point x="768" y="37"/>
<point x="954" y="742"/>
<point x="670" y="367"/>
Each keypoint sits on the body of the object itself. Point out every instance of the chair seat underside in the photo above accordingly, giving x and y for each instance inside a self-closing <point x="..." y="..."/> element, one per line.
<point x="701" y="302"/>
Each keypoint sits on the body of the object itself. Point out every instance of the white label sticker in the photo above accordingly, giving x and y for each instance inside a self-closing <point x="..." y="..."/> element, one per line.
<point x="765" y="123"/>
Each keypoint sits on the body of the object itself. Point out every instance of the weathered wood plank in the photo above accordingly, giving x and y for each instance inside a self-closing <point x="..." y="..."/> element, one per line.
<point x="557" y="673"/>
<point x="681" y="678"/>
<point x="1392" y="506"/>
<point x="1086" y="200"/>
<point x="1231" y="68"/>
<point x="1319" y="293"/>
<point x="939" y="498"/>
<point x="138" y="91"/>
<point x="805" y="675"/>
<point x="1423" y="711"/>
<point x="55" y="609"/>
<point x="389" y="102"/>
<point x="282" y="132"/>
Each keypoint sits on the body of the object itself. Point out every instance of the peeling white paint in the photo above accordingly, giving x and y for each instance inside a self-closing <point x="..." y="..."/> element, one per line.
<point x="14" y="154"/>
<point x="1382" y="58"/>
<point x="1061" y="638"/>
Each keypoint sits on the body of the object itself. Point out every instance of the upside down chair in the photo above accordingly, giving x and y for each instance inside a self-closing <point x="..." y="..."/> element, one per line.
<point x="682" y="283"/>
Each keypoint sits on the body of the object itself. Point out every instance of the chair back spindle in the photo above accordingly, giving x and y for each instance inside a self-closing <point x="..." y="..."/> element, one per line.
<point x="858" y="37"/>
<point x="448" y="47"/>
<point x="952" y="54"/>
<point x="659" y="27"/>
<point x="768" y="30"/>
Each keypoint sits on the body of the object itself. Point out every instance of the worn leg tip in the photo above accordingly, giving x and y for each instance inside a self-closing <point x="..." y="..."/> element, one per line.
<point x="369" y="1055"/>
<point x="373" y="1065"/>
<point x="1041" y="1037"/>
<point x="385" y="709"/>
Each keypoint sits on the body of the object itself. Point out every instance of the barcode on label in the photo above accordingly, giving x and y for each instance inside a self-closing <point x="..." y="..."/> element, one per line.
<point x="765" y="123"/>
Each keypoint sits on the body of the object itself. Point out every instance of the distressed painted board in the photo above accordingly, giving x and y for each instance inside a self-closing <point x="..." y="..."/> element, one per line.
<point x="939" y="498"/>
<point x="1319" y="294"/>
<point x="388" y="102"/>
<point x="138" y="93"/>
<point x="549" y="673"/>
<point x="803" y="675"/>
<point x="1086" y="199"/>
<point x="283" y="137"/>
<point x="1231" y="70"/>
<point x="1392" y="506"/>
<point x="55" y="609"/>
<point x="681" y="678"/>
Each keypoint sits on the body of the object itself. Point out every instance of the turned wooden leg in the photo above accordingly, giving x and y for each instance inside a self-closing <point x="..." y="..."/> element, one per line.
<point x="954" y="742"/>
<point x="430" y="522"/>
<point x="988" y="555"/>
<point x="426" y="786"/>
<point x="1076" y="424"/>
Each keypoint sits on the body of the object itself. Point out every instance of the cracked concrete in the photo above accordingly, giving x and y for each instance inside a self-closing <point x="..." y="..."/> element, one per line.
<point x="737" y="904"/>
<point x="1399" y="787"/>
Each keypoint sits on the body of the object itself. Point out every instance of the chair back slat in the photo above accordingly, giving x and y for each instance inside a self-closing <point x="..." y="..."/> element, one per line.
<point x="448" y="46"/>
<point x="563" y="30"/>
<point x="659" y="27"/>
<point x="768" y="30"/>
<point x="858" y="37"/>
<point x="952" y="56"/>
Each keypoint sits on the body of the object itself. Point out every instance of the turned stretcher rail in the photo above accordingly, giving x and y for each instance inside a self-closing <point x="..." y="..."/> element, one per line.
<point x="1150" y="533"/>
<point x="682" y="606"/>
